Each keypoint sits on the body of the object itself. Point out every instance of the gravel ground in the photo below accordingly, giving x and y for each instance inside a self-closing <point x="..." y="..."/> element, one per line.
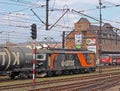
<point x="116" y="88"/>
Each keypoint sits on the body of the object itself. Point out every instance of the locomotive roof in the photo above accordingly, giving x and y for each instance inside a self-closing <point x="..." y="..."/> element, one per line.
<point x="64" y="51"/>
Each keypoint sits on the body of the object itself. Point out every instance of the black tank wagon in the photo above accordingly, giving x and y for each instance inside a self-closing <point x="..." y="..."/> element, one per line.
<point x="15" y="60"/>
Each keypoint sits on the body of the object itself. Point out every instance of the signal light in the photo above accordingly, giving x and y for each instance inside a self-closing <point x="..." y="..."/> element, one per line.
<point x="33" y="31"/>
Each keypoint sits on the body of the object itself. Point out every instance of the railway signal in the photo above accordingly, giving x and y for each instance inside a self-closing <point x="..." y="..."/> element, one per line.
<point x="34" y="36"/>
<point x="33" y="31"/>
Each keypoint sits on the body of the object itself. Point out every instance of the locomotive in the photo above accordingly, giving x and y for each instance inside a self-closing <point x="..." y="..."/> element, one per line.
<point x="65" y="61"/>
<point x="110" y="59"/>
<point x="18" y="61"/>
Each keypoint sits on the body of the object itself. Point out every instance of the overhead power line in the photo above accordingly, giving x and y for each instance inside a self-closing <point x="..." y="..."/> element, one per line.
<point x="22" y="1"/>
<point x="14" y="26"/>
<point x="12" y="3"/>
<point x="25" y="8"/>
<point x="86" y="15"/>
<point x="111" y="3"/>
<point x="18" y="17"/>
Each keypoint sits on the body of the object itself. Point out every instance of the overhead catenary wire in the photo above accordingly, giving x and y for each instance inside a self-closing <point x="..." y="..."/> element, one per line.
<point x="14" y="26"/>
<point x="111" y="3"/>
<point x="13" y="20"/>
<point x="24" y="34"/>
<point x="12" y="3"/>
<point x="21" y="1"/>
<point x="86" y="15"/>
<point x="24" y="8"/>
<point x="15" y="16"/>
<point x="26" y="2"/>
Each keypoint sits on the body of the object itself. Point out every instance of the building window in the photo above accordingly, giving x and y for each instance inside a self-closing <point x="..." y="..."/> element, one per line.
<point x="108" y="35"/>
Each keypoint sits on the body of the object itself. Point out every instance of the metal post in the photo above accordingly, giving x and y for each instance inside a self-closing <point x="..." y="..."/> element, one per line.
<point x="47" y="6"/>
<point x="34" y="62"/>
<point x="100" y="36"/>
<point x="84" y="39"/>
<point x="63" y="40"/>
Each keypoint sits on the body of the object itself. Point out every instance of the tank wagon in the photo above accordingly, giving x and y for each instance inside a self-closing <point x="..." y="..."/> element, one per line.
<point x="18" y="61"/>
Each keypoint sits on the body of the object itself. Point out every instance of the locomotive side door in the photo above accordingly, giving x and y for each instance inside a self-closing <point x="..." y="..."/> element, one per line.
<point x="41" y="63"/>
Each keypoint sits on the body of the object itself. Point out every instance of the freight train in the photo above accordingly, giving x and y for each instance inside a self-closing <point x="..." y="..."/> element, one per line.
<point x="17" y="61"/>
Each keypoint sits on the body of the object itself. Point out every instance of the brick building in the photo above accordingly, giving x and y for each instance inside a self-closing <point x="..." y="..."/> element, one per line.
<point x="85" y="35"/>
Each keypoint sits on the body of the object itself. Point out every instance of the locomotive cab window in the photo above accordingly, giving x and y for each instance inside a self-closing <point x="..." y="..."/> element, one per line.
<point x="88" y="58"/>
<point x="40" y="57"/>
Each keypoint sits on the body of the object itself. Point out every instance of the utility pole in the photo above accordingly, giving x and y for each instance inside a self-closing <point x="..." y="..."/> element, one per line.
<point x="47" y="16"/>
<point x="47" y="10"/>
<point x="100" y="36"/>
<point x="63" y="40"/>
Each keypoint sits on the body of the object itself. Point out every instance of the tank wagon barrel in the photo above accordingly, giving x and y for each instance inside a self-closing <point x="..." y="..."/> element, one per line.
<point x="13" y="57"/>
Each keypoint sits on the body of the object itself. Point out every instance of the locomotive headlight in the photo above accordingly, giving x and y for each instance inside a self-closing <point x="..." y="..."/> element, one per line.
<point x="40" y="64"/>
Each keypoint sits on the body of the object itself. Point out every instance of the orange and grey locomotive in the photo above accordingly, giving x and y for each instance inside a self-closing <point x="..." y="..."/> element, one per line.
<point x="65" y="61"/>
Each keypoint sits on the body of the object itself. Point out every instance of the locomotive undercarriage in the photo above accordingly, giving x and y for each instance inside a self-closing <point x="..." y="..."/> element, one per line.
<point x="69" y="71"/>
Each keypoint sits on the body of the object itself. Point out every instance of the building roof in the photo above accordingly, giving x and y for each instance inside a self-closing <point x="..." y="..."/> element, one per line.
<point x="83" y="20"/>
<point x="107" y="28"/>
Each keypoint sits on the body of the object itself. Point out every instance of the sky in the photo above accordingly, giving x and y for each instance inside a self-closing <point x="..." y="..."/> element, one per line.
<point x="16" y="17"/>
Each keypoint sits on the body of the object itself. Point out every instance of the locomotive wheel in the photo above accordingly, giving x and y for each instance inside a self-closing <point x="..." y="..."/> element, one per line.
<point x="76" y="71"/>
<point x="93" y="69"/>
<point x="66" y="72"/>
<point x="50" y="73"/>
<point x="82" y="71"/>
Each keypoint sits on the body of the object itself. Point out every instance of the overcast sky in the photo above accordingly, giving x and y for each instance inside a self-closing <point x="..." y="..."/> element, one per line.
<point x="16" y="17"/>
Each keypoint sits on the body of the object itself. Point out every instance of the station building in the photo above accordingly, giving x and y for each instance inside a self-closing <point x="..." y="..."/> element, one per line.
<point x="86" y="36"/>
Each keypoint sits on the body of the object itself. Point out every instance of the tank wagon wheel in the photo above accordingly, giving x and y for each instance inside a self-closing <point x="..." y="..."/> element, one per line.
<point x="22" y="75"/>
<point x="12" y="76"/>
<point x="29" y="76"/>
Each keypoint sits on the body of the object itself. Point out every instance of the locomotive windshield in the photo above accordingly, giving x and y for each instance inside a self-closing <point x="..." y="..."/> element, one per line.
<point x="88" y="58"/>
<point x="40" y="57"/>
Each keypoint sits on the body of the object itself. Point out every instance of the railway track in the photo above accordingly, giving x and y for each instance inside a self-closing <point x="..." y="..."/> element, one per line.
<point x="110" y="66"/>
<point x="61" y="80"/>
<point x="103" y="68"/>
<point x="62" y="84"/>
<point x="85" y="85"/>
